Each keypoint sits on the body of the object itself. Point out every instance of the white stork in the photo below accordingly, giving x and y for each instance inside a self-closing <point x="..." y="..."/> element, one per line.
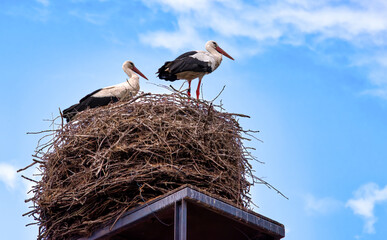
<point x="193" y="64"/>
<point x="106" y="95"/>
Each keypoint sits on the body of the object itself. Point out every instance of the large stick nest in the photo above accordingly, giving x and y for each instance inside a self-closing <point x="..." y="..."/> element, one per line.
<point x="112" y="158"/>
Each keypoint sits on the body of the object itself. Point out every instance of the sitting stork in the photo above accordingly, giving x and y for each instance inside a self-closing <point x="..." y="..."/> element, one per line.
<point x="193" y="64"/>
<point x="106" y="95"/>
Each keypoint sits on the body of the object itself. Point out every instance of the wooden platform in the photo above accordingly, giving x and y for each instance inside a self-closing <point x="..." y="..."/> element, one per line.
<point x="190" y="214"/>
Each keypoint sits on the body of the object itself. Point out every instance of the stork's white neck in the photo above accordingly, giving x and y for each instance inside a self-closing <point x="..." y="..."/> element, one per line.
<point x="128" y="71"/>
<point x="133" y="78"/>
<point x="217" y="55"/>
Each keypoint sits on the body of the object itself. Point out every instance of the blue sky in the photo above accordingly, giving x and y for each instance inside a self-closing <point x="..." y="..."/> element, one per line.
<point x="311" y="74"/>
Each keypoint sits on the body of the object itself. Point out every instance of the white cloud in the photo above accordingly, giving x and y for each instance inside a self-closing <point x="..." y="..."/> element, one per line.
<point x="8" y="175"/>
<point x="13" y="180"/>
<point x="321" y="206"/>
<point x="186" y="36"/>
<point x="363" y="204"/>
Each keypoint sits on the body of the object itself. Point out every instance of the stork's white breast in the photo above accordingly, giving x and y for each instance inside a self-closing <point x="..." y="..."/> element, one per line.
<point x="206" y="57"/>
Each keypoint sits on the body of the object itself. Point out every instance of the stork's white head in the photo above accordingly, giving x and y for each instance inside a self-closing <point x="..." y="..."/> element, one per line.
<point x="128" y="66"/>
<point x="212" y="45"/>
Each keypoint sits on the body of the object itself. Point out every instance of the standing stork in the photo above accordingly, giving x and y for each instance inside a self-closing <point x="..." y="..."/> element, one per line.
<point x="106" y="95"/>
<point x="193" y="64"/>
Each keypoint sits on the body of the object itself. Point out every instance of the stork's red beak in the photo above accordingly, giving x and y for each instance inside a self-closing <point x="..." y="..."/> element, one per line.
<point x="224" y="53"/>
<point x="139" y="73"/>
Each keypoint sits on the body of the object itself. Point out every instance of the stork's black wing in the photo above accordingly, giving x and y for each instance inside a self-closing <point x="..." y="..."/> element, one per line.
<point x="183" y="63"/>
<point x="86" y="102"/>
<point x="189" y="64"/>
<point x="89" y="95"/>
<point x="187" y="54"/>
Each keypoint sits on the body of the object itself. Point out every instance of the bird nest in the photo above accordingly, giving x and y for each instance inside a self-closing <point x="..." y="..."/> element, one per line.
<point x="110" y="159"/>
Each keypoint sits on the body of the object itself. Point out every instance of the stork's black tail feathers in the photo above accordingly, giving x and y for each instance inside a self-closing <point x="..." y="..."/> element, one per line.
<point x="70" y="112"/>
<point x="164" y="74"/>
<point x="85" y="103"/>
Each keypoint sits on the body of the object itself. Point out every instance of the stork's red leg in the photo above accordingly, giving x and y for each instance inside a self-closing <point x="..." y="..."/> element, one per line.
<point x="189" y="88"/>
<point x="198" y="89"/>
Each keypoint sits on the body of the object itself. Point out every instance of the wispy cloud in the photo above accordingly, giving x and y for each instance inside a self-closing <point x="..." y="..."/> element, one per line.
<point x="279" y="20"/>
<point x="37" y="12"/>
<point x="364" y="201"/>
<point x="96" y="12"/>
<point x="45" y="3"/>
<point x="378" y="76"/>
<point x="94" y="18"/>
<point x="377" y="67"/>
<point x="321" y="206"/>
<point x="8" y="175"/>
<point x="380" y="92"/>
<point x="83" y="1"/>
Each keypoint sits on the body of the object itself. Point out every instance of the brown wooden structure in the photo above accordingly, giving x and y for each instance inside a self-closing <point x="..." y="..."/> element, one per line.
<point x="190" y="214"/>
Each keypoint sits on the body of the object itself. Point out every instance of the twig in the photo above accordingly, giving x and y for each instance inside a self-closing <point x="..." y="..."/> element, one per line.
<point x="22" y="169"/>
<point x="219" y="94"/>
